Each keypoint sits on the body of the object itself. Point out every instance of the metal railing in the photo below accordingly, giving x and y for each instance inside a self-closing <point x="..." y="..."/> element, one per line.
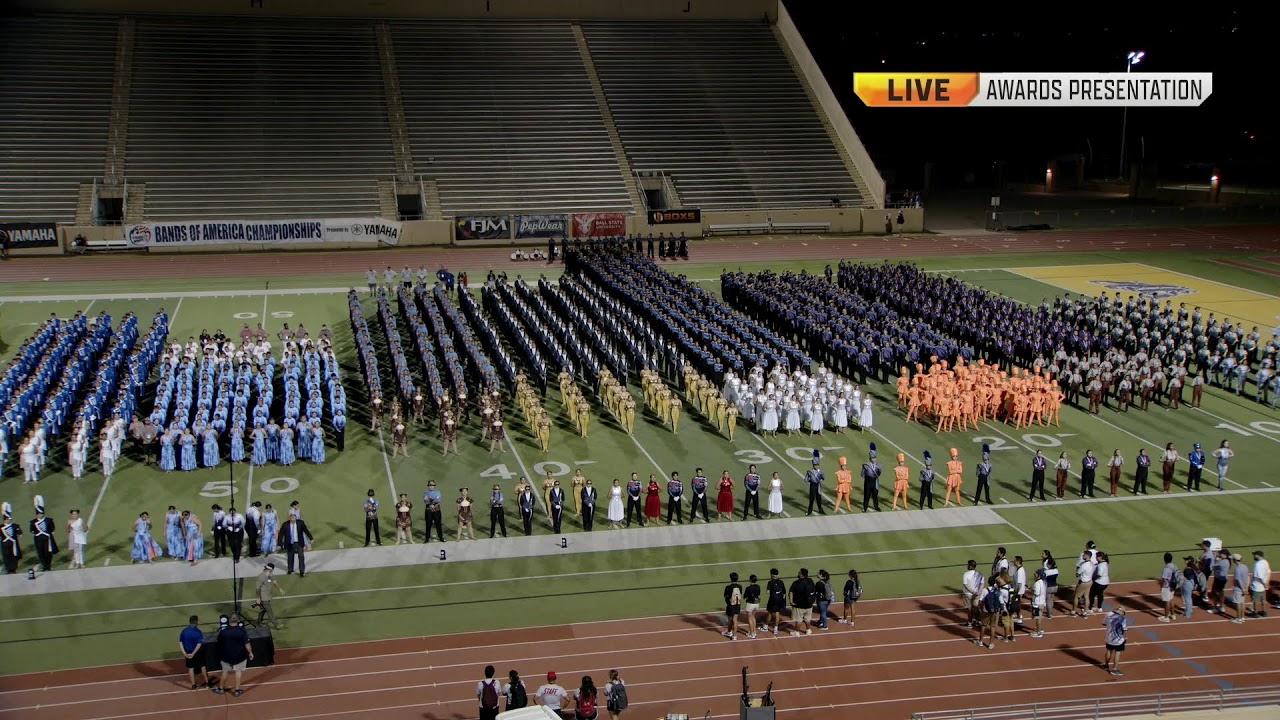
<point x="1159" y="704"/>
<point x="1140" y="216"/>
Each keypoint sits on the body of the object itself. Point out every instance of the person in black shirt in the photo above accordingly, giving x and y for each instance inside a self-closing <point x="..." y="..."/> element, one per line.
<point x="802" y="592"/>
<point x="777" y="602"/>
<point x="732" y="605"/>
<point x="234" y="652"/>
<point x="751" y="601"/>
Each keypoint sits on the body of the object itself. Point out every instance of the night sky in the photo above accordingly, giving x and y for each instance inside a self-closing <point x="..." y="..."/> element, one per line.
<point x="1233" y="129"/>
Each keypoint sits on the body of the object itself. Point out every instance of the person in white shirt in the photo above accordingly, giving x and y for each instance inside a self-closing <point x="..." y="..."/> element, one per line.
<point x="1000" y="564"/>
<point x="1260" y="585"/>
<point x="1039" y="601"/>
<point x="1019" y="588"/>
<point x="971" y="586"/>
<point x="1084" y="583"/>
<point x="489" y="711"/>
<point x="1101" y="579"/>
<point x="1240" y="579"/>
<point x="552" y="695"/>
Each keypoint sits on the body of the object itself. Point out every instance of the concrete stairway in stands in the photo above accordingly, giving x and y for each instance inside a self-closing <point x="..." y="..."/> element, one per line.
<point x="118" y="131"/>
<point x="628" y="175"/>
<point x="395" y="107"/>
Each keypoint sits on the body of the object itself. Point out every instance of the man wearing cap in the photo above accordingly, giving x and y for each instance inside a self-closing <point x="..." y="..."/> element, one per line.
<point x="431" y="500"/>
<point x="267" y="589"/>
<point x="871" y="480"/>
<point x="984" y="477"/>
<point x="1195" y="458"/>
<point x="234" y="651"/>
<point x="1038" y="465"/>
<point x="42" y="536"/>
<point x="9" y="548"/>
<point x="552" y="695"/>
<point x="813" y="478"/>
<point x="927" y="476"/>
<point x="955" y="477"/>
<point x="1240" y="578"/>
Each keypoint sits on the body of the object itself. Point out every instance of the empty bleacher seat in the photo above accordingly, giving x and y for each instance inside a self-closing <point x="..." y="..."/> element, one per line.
<point x="55" y="108"/>
<point x="244" y="118"/>
<point x="718" y="107"/>
<point x="502" y="116"/>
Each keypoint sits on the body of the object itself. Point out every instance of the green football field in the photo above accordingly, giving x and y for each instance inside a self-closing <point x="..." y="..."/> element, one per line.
<point x="92" y="627"/>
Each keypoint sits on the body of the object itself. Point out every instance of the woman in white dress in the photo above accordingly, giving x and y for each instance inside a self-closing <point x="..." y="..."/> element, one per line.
<point x="615" y="504"/>
<point x="865" y="419"/>
<point x="840" y="414"/>
<point x="793" y="416"/>
<point x="769" y="416"/>
<point x="77" y="538"/>
<point x="76" y="455"/>
<point x="106" y="455"/>
<point x="775" y="495"/>
<point x="817" y="418"/>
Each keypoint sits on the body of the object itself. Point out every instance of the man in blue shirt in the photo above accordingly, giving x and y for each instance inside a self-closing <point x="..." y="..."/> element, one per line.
<point x="235" y="653"/>
<point x="1196" y="459"/>
<point x="431" y="499"/>
<point x="191" y="642"/>
<point x="699" y="496"/>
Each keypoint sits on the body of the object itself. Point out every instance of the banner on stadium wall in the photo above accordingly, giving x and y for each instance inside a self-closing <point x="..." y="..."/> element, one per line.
<point x="542" y="226"/>
<point x="482" y="227"/>
<point x="31" y="235"/>
<point x="263" y="232"/>
<point x="599" y="224"/>
<point x="675" y="217"/>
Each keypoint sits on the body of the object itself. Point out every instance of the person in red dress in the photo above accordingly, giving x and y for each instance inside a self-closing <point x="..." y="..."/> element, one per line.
<point x="653" y="500"/>
<point x="724" y="500"/>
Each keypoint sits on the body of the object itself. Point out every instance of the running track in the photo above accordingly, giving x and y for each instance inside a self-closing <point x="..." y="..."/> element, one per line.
<point x="904" y="656"/>
<point x="1255" y="238"/>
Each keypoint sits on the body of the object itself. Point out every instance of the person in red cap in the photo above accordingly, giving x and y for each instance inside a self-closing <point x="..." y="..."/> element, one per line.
<point x="552" y="695"/>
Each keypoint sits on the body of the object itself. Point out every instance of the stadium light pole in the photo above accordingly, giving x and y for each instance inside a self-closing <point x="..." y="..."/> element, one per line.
<point x="1133" y="58"/>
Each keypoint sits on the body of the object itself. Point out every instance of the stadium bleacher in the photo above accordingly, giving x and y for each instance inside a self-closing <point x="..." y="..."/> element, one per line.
<point x="718" y="107"/>
<point x="238" y="118"/>
<point x="55" y="104"/>
<point x="502" y="116"/>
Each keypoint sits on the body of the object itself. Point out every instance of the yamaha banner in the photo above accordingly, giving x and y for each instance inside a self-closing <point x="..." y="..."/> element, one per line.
<point x="482" y="227"/>
<point x="30" y="235"/>
<point x="263" y="232"/>
<point x="599" y="224"/>
<point x="542" y="226"/>
<point x="675" y="217"/>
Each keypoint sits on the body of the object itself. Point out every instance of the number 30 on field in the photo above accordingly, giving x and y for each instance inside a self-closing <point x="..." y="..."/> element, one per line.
<point x="272" y="486"/>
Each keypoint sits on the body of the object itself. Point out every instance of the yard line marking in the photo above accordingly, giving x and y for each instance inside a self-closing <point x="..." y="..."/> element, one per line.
<point x="404" y="588"/>
<point x="520" y="461"/>
<point x="1154" y="445"/>
<point x="98" y="503"/>
<point x="1006" y="502"/>
<point x="386" y="464"/>
<point x="89" y="306"/>
<point x="783" y="457"/>
<point x="248" y="490"/>
<point x="1219" y="417"/>
<point x="646" y="454"/>
<point x="264" y="311"/>
<point x="174" y="316"/>
<point x="1010" y="438"/>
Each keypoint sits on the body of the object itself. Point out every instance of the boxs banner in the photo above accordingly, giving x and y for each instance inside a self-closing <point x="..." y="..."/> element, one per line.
<point x="599" y="224"/>
<point x="482" y="227"/>
<point x="675" y="217"/>
<point x="31" y="235"/>
<point x="541" y="226"/>
<point x="263" y="232"/>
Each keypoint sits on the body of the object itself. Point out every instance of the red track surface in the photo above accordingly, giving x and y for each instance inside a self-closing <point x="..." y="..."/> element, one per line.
<point x="726" y="251"/>
<point x="904" y="656"/>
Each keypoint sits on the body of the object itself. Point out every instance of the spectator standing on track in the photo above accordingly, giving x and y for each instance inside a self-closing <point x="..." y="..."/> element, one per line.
<point x="235" y="653"/>
<point x="515" y="692"/>
<point x="971" y="584"/>
<point x="1085" y="567"/>
<point x="191" y="642"/>
<point x="1169" y="582"/>
<point x="1019" y="588"/>
<point x="1101" y="579"/>
<point x="751" y="603"/>
<point x="1000" y="564"/>
<point x="1187" y="585"/>
<point x="1260" y="585"/>
<point x="824" y="596"/>
<point x="802" y="595"/>
<point x="1039" y="602"/>
<point x="1241" y="577"/>
<point x="852" y="594"/>
<point x="615" y="692"/>
<point x="488" y="691"/>
<point x="584" y="700"/>
<point x="552" y="695"/>
<point x="1221" y="574"/>
<point x="1117" y="627"/>
<point x="732" y="606"/>
<point x="1050" y="567"/>
<point x="777" y="601"/>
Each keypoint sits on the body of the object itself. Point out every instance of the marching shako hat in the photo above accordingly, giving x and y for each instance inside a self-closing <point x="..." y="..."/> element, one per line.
<point x="872" y="453"/>
<point x="955" y="453"/>
<point x="928" y="459"/>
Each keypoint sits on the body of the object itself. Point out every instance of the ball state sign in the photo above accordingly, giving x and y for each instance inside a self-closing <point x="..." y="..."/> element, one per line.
<point x="599" y="224"/>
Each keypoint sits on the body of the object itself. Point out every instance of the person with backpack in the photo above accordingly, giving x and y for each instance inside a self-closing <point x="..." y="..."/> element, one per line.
<point x="585" y="700"/>
<point x="615" y="693"/>
<point x="803" y="593"/>
<point x="989" y="605"/>
<point x="516" y="693"/>
<point x="1188" y="585"/>
<point x="732" y="606"/>
<point x="852" y="594"/>
<point x="488" y="691"/>
<point x="825" y="596"/>
<point x="1169" y="581"/>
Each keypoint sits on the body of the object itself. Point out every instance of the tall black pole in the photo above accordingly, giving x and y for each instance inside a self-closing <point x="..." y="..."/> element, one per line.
<point x="235" y="580"/>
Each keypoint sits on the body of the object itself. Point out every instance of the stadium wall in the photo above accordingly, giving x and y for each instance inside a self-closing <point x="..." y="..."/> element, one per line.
<point x="478" y="9"/>
<point x="416" y="233"/>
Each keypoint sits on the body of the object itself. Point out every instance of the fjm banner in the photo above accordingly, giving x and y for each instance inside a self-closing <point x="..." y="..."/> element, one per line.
<point x="482" y="227"/>
<point x="31" y="235"/>
<point x="675" y="217"/>
<point x="541" y="226"/>
<point x="263" y="232"/>
<point x="599" y="224"/>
